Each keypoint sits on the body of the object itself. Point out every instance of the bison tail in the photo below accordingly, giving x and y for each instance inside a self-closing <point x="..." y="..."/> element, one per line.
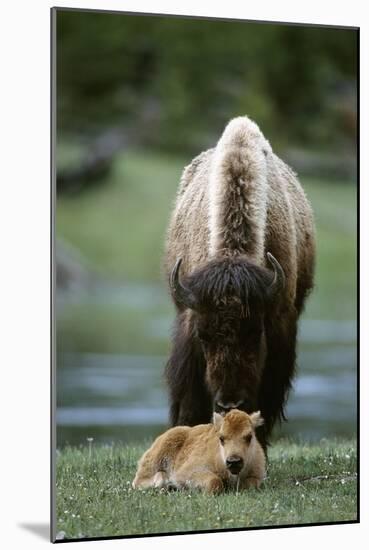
<point x="238" y="190"/>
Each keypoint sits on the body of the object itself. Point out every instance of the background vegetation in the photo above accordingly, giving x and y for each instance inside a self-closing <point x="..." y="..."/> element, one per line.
<point x="173" y="83"/>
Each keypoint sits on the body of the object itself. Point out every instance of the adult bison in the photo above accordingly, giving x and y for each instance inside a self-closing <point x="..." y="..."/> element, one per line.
<point x="240" y="261"/>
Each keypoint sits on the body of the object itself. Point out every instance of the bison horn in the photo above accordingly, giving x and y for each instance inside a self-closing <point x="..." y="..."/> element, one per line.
<point x="180" y="293"/>
<point x="279" y="280"/>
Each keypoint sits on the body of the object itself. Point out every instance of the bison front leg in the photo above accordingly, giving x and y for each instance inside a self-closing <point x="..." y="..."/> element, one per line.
<point x="190" y="401"/>
<point x="278" y="372"/>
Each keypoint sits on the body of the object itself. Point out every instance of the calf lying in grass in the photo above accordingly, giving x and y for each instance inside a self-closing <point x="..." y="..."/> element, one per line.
<point x="212" y="457"/>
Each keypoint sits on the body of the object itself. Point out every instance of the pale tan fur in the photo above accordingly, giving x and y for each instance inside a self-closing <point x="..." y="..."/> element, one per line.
<point x="186" y="457"/>
<point x="239" y="156"/>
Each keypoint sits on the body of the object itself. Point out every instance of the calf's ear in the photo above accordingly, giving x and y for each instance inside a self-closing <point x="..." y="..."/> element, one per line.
<point x="217" y="419"/>
<point x="256" y="419"/>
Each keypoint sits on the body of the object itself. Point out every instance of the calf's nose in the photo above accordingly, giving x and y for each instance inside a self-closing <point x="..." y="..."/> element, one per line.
<point x="234" y="462"/>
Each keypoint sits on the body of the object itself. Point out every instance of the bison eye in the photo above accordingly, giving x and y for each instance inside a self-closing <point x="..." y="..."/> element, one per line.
<point x="221" y="439"/>
<point x="248" y="438"/>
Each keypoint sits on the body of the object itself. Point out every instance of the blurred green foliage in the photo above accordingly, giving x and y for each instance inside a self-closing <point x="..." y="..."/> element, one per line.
<point x="177" y="81"/>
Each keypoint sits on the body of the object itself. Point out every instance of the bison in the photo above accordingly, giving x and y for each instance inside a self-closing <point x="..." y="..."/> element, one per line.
<point x="240" y="262"/>
<point x="211" y="457"/>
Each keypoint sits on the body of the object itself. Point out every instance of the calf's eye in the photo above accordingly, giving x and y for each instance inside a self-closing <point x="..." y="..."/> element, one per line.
<point x="221" y="439"/>
<point x="248" y="438"/>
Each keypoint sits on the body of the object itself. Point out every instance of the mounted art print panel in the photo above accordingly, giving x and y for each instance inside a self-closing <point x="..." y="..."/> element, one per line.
<point x="205" y="274"/>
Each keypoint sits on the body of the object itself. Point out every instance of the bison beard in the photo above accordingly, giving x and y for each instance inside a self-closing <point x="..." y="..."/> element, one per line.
<point x="242" y="236"/>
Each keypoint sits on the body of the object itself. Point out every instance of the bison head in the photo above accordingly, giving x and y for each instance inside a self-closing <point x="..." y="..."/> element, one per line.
<point x="229" y="297"/>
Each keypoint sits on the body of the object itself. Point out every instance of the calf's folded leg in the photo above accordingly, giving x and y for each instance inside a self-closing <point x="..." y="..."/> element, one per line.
<point x="154" y="466"/>
<point x="206" y="481"/>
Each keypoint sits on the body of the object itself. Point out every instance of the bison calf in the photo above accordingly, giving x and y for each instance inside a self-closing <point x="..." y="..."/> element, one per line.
<point x="211" y="457"/>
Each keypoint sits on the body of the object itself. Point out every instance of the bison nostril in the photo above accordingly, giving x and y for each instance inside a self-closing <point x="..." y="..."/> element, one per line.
<point x="220" y="407"/>
<point x="234" y="465"/>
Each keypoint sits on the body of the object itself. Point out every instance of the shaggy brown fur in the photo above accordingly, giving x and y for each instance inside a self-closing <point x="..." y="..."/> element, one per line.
<point x="235" y="332"/>
<point x="211" y="457"/>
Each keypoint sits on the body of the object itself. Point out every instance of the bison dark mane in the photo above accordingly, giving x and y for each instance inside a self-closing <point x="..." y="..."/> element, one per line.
<point x="230" y="282"/>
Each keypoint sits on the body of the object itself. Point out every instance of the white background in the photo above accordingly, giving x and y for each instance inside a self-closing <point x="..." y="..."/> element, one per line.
<point x="24" y="271"/>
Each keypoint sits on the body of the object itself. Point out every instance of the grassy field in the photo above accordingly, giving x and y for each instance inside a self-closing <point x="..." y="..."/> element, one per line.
<point x="305" y="484"/>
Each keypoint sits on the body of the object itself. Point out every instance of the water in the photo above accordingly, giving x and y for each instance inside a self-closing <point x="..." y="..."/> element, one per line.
<point x="123" y="396"/>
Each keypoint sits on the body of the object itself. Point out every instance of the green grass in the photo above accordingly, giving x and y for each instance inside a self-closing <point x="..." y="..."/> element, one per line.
<point x="305" y="484"/>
